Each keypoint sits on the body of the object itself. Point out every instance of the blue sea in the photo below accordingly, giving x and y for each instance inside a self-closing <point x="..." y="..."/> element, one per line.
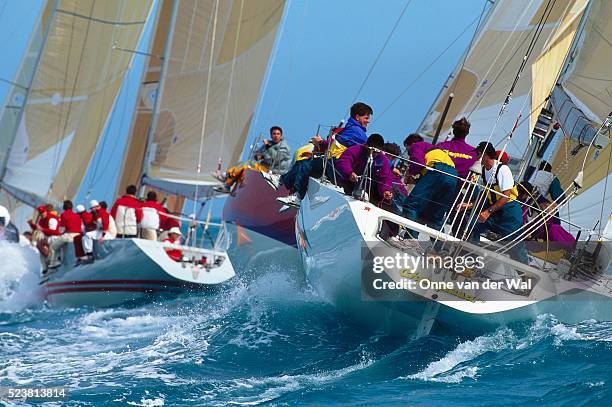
<point x="269" y="340"/>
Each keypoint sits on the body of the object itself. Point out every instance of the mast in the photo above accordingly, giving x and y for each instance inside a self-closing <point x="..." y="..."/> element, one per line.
<point x="154" y="114"/>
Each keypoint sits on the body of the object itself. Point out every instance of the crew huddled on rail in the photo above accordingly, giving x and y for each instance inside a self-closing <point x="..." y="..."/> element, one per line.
<point x="130" y="217"/>
<point x="470" y="189"/>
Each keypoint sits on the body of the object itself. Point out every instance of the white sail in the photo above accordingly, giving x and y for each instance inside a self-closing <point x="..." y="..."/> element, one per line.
<point x="76" y="80"/>
<point x="195" y="125"/>
<point x="480" y="85"/>
<point x="581" y="102"/>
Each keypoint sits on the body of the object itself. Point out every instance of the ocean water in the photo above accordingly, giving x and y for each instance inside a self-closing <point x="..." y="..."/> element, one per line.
<point x="268" y="340"/>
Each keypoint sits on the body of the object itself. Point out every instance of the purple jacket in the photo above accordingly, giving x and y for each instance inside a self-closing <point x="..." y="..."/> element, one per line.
<point x="417" y="152"/>
<point x="354" y="159"/>
<point x="462" y="154"/>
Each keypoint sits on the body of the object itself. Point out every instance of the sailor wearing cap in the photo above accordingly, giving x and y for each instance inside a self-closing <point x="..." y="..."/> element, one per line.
<point x="502" y="213"/>
<point x="174" y="235"/>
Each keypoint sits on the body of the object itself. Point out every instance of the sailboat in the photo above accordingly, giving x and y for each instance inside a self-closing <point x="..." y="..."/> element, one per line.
<point x="567" y="46"/>
<point x="197" y="99"/>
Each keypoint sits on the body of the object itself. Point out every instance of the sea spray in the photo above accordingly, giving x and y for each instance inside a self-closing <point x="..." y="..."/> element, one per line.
<point x="19" y="277"/>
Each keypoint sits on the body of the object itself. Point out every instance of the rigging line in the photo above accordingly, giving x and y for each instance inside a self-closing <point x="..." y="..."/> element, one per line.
<point x="297" y="45"/>
<point x="424" y="71"/>
<point x="231" y="81"/>
<point x="380" y="52"/>
<point x="206" y="98"/>
<point x="469" y="48"/>
<point x="518" y="48"/>
<point x="603" y="202"/>
<point x="482" y="199"/>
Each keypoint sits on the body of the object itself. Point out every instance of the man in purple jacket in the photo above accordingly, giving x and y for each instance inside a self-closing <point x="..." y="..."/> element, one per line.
<point x="462" y="154"/>
<point x="352" y="164"/>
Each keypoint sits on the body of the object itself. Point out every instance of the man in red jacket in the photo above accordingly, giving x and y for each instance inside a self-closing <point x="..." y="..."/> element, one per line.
<point x="127" y="212"/>
<point x="48" y="224"/>
<point x="72" y="226"/>
<point x="153" y="216"/>
<point x="174" y="235"/>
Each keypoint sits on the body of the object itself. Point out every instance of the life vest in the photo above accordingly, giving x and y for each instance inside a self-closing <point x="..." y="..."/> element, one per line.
<point x="150" y="218"/>
<point x="493" y="197"/>
<point x="126" y="220"/>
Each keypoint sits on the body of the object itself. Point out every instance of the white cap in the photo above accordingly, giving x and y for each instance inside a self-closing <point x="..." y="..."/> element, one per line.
<point x="4" y="213"/>
<point x="93" y="203"/>
<point x="175" y="230"/>
<point x="80" y="209"/>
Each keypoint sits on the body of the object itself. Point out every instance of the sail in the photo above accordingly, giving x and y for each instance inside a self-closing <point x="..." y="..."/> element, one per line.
<point x="76" y="81"/>
<point x="582" y="100"/>
<point x="198" y="125"/>
<point x="480" y="84"/>
<point x="134" y="158"/>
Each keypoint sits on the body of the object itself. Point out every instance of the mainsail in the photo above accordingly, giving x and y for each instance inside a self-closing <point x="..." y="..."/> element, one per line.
<point x="202" y="119"/>
<point x="582" y="99"/>
<point x="482" y="81"/>
<point x="78" y="75"/>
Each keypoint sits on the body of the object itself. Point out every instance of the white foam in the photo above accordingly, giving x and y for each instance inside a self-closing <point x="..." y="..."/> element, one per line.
<point x="19" y="277"/>
<point x="466" y="351"/>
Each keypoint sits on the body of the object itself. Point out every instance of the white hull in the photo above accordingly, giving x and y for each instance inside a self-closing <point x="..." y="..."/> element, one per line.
<point x="332" y="231"/>
<point x="129" y="270"/>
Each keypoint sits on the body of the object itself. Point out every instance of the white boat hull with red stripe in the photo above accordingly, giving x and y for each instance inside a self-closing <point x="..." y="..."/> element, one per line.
<point x="131" y="270"/>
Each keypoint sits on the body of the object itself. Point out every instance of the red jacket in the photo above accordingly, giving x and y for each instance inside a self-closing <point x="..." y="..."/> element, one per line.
<point x="160" y="210"/>
<point x="174" y="254"/>
<point x="129" y="201"/>
<point x="103" y="215"/>
<point x="48" y="227"/>
<point x="71" y="222"/>
<point x="88" y="221"/>
<point x="169" y="223"/>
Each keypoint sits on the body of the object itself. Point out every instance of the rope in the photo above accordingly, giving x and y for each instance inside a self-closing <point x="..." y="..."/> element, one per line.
<point x="231" y="82"/>
<point x="423" y="72"/>
<point x="206" y="97"/>
<point x="380" y="52"/>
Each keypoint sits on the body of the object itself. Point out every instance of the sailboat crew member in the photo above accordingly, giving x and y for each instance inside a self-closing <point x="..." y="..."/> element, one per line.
<point x="174" y="235"/>
<point x="432" y="196"/>
<point x="48" y="224"/>
<point x="462" y="154"/>
<point x="296" y="179"/>
<point x="72" y="225"/>
<point x="152" y="216"/>
<point x="504" y="215"/>
<point x="352" y="164"/>
<point x="546" y="184"/>
<point x="127" y="212"/>
<point x="273" y="155"/>
<point x="112" y="226"/>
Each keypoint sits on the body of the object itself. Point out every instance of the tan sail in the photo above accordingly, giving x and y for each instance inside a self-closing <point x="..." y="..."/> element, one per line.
<point x="244" y="34"/>
<point x="481" y="85"/>
<point x="134" y="157"/>
<point x="75" y="85"/>
<point x="545" y="70"/>
<point x="587" y="83"/>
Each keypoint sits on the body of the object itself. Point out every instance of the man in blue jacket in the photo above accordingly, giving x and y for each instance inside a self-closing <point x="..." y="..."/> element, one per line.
<point x="296" y="180"/>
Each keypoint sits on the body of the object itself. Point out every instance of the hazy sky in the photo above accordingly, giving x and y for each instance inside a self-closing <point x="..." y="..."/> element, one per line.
<point x="324" y="51"/>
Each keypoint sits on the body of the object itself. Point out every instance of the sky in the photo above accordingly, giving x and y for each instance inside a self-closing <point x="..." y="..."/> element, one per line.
<point x="323" y="52"/>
